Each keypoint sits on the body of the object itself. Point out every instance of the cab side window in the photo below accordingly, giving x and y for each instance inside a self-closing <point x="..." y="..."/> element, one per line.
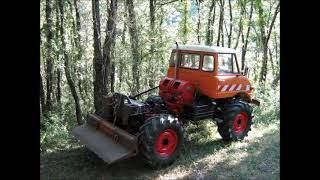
<point x="191" y="61"/>
<point x="227" y="63"/>
<point x="173" y="59"/>
<point x="207" y="63"/>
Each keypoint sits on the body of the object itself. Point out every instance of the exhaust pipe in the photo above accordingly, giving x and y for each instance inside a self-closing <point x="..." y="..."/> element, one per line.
<point x="176" y="61"/>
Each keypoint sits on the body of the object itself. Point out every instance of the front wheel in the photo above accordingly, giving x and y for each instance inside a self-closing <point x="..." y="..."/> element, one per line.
<point x="236" y="122"/>
<point x="161" y="140"/>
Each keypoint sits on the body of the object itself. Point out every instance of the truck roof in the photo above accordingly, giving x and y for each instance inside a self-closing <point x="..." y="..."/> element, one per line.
<point x="204" y="48"/>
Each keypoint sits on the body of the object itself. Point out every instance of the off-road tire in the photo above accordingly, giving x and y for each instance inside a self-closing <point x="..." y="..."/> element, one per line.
<point x="150" y="135"/>
<point x="231" y="112"/>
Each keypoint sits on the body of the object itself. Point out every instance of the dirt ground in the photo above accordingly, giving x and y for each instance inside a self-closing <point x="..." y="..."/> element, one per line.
<point x="206" y="157"/>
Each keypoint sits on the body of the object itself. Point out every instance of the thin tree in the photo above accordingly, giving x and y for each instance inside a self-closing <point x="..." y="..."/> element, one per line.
<point x="41" y="93"/>
<point x="78" y="28"/>
<point x="49" y="59"/>
<point x="58" y="71"/>
<point x="152" y="6"/>
<point x="275" y="81"/>
<point x="42" y="126"/>
<point x="79" y="48"/>
<point x="42" y="98"/>
<point x="134" y="40"/>
<point x="211" y="19"/>
<point x="70" y="81"/>
<point x="230" y="25"/>
<point x="109" y="44"/>
<point x="123" y="42"/>
<point x="240" y="24"/>
<point x="184" y="22"/>
<point x="265" y="36"/>
<point x="246" y="39"/>
<point x="277" y="74"/>
<point x="99" y="85"/>
<point x="220" y="27"/>
<point x="199" y="21"/>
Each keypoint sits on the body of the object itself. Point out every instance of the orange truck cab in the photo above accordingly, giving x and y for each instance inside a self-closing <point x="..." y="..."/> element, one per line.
<point x="213" y="70"/>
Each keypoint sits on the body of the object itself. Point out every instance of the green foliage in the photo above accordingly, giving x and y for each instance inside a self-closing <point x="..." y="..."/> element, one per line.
<point x="54" y="134"/>
<point x="269" y="110"/>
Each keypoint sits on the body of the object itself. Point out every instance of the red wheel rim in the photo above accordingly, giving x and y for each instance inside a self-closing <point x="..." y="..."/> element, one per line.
<point x="240" y="122"/>
<point x="166" y="142"/>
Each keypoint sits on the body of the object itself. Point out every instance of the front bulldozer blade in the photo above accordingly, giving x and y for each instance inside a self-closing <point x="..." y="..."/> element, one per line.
<point x="109" y="142"/>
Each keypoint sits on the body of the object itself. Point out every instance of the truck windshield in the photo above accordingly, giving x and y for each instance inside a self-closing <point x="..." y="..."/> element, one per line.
<point x="227" y="63"/>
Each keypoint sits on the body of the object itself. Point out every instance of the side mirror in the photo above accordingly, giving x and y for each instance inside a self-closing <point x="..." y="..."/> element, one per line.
<point x="245" y="71"/>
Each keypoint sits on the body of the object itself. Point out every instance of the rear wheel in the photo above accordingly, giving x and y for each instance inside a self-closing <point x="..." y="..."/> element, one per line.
<point x="236" y="122"/>
<point x="161" y="140"/>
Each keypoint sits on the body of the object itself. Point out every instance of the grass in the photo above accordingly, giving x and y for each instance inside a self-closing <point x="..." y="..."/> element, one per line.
<point x="206" y="156"/>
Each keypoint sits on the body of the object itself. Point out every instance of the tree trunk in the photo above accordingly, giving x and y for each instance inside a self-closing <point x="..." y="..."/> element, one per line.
<point x="134" y="40"/>
<point x="81" y="88"/>
<point x="185" y="22"/>
<point x="275" y="81"/>
<point x="255" y="77"/>
<point x="210" y="23"/>
<point x="109" y="43"/>
<point x="42" y="92"/>
<point x="123" y="42"/>
<point x="160" y="56"/>
<point x="230" y="27"/>
<point x="49" y="62"/>
<point x="99" y="86"/>
<point x="240" y="25"/>
<point x="42" y="96"/>
<point x="76" y="39"/>
<point x="78" y="21"/>
<point x="58" y="86"/>
<point x="123" y="38"/>
<point x="245" y="45"/>
<point x="263" y="72"/>
<point x="77" y="34"/>
<point x="199" y="22"/>
<point x="271" y="62"/>
<point x="265" y="39"/>
<point x="67" y="66"/>
<point x="58" y="71"/>
<point x="220" y="27"/>
<point x="276" y="44"/>
<point x="151" y="62"/>
<point x="113" y="71"/>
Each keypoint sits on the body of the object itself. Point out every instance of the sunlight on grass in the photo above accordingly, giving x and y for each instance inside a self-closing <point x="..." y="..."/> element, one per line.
<point x="230" y="156"/>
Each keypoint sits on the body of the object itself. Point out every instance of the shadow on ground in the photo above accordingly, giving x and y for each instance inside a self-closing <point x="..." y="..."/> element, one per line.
<point x="80" y="163"/>
<point x="260" y="161"/>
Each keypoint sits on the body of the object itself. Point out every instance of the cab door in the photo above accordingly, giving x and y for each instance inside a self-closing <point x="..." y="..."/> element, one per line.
<point x="230" y="81"/>
<point x="207" y="80"/>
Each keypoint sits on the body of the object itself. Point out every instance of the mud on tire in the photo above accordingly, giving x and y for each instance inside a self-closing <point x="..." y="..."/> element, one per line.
<point x="237" y="120"/>
<point x="161" y="140"/>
